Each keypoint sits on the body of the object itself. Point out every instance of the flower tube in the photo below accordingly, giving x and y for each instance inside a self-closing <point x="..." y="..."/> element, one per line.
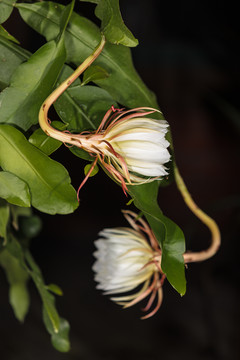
<point x="130" y="146"/>
<point x="128" y="264"/>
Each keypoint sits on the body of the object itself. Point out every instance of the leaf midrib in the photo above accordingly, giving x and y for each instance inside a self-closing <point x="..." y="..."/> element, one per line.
<point x="14" y="47"/>
<point x="53" y="20"/>
<point x="78" y="107"/>
<point x="27" y="161"/>
<point x="28" y="93"/>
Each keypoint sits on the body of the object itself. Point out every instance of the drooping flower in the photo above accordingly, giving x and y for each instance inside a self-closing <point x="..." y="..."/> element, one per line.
<point x="128" y="264"/>
<point x="130" y="146"/>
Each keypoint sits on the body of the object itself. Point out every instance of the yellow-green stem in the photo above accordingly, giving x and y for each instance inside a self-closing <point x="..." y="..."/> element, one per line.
<point x="207" y="220"/>
<point x="43" y="113"/>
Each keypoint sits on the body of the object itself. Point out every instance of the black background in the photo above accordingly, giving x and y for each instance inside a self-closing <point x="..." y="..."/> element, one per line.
<point x="188" y="55"/>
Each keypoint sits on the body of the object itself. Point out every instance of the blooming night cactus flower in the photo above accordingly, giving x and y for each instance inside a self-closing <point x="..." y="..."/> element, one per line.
<point x="129" y="145"/>
<point x="126" y="262"/>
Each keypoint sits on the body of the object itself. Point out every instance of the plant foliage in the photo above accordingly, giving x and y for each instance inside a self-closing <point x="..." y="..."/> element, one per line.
<point x="29" y="178"/>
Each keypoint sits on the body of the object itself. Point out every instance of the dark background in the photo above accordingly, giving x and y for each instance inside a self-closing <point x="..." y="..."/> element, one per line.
<point x="188" y="55"/>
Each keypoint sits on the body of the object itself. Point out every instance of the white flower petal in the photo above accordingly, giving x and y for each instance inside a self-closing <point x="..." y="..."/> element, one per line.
<point x="121" y="260"/>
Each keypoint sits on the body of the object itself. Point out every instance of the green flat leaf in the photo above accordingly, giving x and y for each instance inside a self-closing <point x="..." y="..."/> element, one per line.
<point x="94" y="102"/>
<point x="55" y="289"/>
<point x="80" y="153"/>
<point x="11" y="56"/>
<point x="94" y="172"/>
<point x="4" y="217"/>
<point x="14" y="248"/>
<point x="6" y="8"/>
<point x="30" y="85"/>
<point x="48" y="181"/>
<point x="91" y="1"/>
<point x="67" y="108"/>
<point x="113" y="27"/>
<point x="94" y="73"/>
<point x="65" y="17"/>
<point x="5" y="34"/>
<point x="82" y="107"/>
<point x="168" y="234"/>
<point x="14" y="190"/>
<point x="33" y="81"/>
<point x="48" y="301"/>
<point x="45" y="143"/>
<point x="19" y="300"/>
<point x="59" y="340"/>
<point x="17" y="277"/>
<point x="81" y="37"/>
<point x="28" y="263"/>
<point x="47" y="298"/>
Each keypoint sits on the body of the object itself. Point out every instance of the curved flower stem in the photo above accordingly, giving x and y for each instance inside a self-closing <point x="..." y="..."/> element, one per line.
<point x="207" y="220"/>
<point x="43" y="113"/>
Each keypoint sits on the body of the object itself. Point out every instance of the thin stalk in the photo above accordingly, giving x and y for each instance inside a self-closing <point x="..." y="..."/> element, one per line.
<point x="207" y="220"/>
<point x="43" y="113"/>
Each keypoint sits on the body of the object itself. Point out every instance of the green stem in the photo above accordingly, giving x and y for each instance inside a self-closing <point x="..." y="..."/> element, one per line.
<point x="207" y="220"/>
<point x="43" y="113"/>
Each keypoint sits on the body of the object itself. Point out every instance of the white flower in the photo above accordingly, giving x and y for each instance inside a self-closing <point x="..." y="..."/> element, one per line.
<point x="141" y="143"/>
<point x="130" y="146"/>
<point x="125" y="260"/>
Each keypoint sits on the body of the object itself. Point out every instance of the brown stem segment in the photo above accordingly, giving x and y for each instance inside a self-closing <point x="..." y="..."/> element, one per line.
<point x="207" y="220"/>
<point x="43" y="113"/>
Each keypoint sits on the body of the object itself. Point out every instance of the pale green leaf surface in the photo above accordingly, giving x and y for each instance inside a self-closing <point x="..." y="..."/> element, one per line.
<point x="19" y="300"/>
<point x="5" y="34"/>
<point x="67" y="108"/>
<point x="28" y="263"/>
<point x="11" y="56"/>
<point x="48" y="181"/>
<point x="6" y="8"/>
<point x="48" y="301"/>
<point x="94" y="102"/>
<point x="113" y="27"/>
<point x="94" y="73"/>
<point x="31" y="83"/>
<point x="4" y="217"/>
<point x="168" y="234"/>
<point x="14" y="248"/>
<point x="45" y="143"/>
<point x="82" y="107"/>
<point x="54" y="289"/>
<point x="47" y="298"/>
<point x="81" y="37"/>
<point x="17" y="277"/>
<point x="65" y="17"/>
<point x="94" y="171"/>
<point x="59" y="340"/>
<point x="14" y="190"/>
<point x="91" y="1"/>
<point x="82" y="154"/>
